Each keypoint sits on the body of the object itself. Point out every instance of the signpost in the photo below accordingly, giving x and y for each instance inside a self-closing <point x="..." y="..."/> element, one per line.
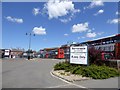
<point x="79" y="55"/>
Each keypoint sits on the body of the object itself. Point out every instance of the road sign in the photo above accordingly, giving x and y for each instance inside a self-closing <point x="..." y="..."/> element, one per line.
<point x="79" y="55"/>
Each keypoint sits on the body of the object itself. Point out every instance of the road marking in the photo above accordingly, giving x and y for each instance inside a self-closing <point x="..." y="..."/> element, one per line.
<point x="66" y="81"/>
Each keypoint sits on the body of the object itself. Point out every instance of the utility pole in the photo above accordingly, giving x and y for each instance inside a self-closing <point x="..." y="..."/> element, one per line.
<point x="29" y="34"/>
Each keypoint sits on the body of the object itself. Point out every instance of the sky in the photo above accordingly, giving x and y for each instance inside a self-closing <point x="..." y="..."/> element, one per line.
<point x="56" y="23"/>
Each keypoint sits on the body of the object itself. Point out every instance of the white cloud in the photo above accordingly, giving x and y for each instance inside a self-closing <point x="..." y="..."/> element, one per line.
<point x="113" y="21"/>
<point x="99" y="12"/>
<point x="80" y="27"/>
<point x="84" y="8"/>
<point x="58" y="8"/>
<point x="39" y="30"/>
<point x="91" y="34"/>
<point x="100" y="33"/>
<point x="93" y="28"/>
<point x="17" y="20"/>
<point x="96" y="3"/>
<point x="36" y="11"/>
<point x="65" y="34"/>
<point x="82" y="37"/>
<point x="65" y="20"/>
<point x="117" y="13"/>
<point x="76" y="10"/>
<point x="78" y="38"/>
<point x="89" y="30"/>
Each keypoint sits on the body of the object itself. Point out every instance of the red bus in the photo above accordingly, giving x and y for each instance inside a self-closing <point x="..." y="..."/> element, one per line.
<point x="56" y="53"/>
<point x="60" y="53"/>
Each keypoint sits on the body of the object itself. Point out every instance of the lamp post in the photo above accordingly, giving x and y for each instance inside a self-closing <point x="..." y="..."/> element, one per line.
<point x="29" y="34"/>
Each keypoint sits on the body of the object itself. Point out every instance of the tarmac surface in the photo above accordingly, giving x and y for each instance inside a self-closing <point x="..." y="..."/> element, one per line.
<point x="22" y="73"/>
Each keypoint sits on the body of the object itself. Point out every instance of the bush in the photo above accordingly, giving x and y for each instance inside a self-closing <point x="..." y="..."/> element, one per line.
<point x="76" y="70"/>
<point x="93" y="71"/>
<point x="99" y="72"/>
<point x="62" y="66"/>
<point x="110" y="63"/>
<point x="94" y="55"/>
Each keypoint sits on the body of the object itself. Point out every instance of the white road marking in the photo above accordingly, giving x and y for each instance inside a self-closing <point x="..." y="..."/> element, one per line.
<point x="67" y="81"/>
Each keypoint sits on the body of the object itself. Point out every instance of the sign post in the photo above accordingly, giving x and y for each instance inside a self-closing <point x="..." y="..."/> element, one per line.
<point x="79" y="55"/>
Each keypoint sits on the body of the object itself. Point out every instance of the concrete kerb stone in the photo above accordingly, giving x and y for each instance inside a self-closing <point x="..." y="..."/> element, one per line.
<point x="61" y="76"/>
<point x="66" y="80"/>
<point x="70" y="77"/>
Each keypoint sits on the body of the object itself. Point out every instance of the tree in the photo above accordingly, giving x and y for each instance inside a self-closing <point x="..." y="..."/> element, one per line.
<point x="94" y="55"/>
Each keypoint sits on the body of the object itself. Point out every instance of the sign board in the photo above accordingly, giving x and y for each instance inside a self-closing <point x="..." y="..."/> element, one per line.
<point x="79" y="55"/>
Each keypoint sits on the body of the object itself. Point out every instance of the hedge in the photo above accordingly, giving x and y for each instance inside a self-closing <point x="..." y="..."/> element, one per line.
<point x="93" y="71"/>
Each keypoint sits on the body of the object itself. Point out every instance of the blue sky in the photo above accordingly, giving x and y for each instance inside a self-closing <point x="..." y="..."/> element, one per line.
<point x="56" y="23"/>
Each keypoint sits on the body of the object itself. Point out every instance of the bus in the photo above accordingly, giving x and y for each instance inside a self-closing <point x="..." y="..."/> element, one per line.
<point x="6" y="53"/>
<point x="56" y="53"/>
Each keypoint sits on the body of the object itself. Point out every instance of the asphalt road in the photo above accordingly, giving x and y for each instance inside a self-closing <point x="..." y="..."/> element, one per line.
<point x="31" y="74"/>
<point x="21" y="73"/>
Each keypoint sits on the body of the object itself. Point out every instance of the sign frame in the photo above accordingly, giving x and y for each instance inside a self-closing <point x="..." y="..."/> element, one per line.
<point x="72" y="61"/>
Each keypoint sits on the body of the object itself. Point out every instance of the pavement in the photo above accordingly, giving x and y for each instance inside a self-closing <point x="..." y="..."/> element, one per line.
<point x="22" y="73"/>
<point x="106" y="83"/>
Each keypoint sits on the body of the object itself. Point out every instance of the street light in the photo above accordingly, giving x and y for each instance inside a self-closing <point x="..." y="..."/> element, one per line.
<point x="30" y="34"/>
